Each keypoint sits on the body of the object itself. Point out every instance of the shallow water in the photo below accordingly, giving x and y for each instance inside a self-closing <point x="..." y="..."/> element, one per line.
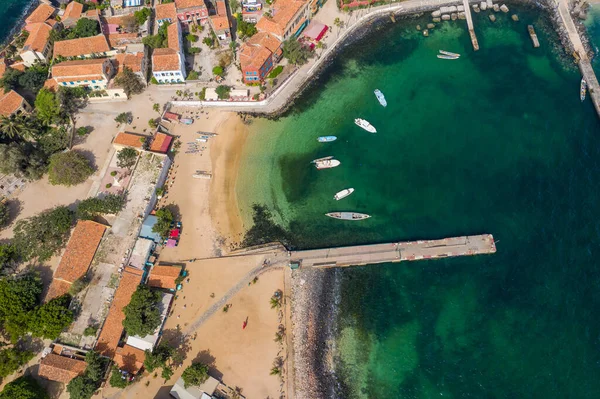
<point x="11" y="11"/>
<point x="495" y="142"/>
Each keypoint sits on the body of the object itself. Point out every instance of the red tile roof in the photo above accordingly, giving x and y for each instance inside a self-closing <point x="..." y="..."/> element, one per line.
<point x="57" y="288"/>
<point x="10" y="103"/>
<point x="38" y="37"/>
<point x="132" y="61"/>
<point x="173" y="34"/>
<point x="283" y="12"/>
<point x="80" y="251"/>
<point x="3" y="66"/>
<point x="220" y="22"/>
<point x="183" y="4"/>
<point x="161" y="143"/>
<point x="113" y="326"/>
<point x="129" y="359"/>
<point x="164" y="276"/>
<point x="60" y="368"/>
<point x="73" y="11"/>
<point x="122" y="39"/>
<point x="80" y="47"/>
<point x="257" y="50"/>
<point x="165" y="59"/>
<point x="129" y="140"/>
<point x="166" y="11"/>
<point x="90" y="67"/>
<point x="40" y="14"/>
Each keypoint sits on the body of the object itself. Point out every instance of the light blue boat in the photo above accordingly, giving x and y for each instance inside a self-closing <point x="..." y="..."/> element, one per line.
<point x="326" y="139"/>
<point x="380" y="97"/>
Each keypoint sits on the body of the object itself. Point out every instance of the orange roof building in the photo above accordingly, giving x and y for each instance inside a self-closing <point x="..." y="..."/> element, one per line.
<point x="112" y="330"/>
<point x="12" y="103"/>
<point x="168" y="63"/>
<point x="220" y="22"/>
<point x="80" y="251"/>
<point x="165" y="13"/>
<point x="83" y="47"/>
<point x="37" y="47"/>
<point x="161" y="143"/>
<point x="129" y="359"/>
<point x="94" y="73"/>
<point x="41" y="14"/>
<point x="132" y="140"/>
<point x="191" y="11"/>
<point x="288" y="18"/>
<point x="258" y="55"/>
<point x="72" y="13"/>
<point x="134" y="61"/>
<point x="61" y="368"/>
<point x="164" y="277"/>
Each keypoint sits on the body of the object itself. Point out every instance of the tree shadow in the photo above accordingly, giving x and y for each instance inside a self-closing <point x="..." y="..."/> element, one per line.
<point x="78" y="140"/>
<point x="163" y="392"/>
<point x="90" y="157"/>
<point x="45" y="274"/>
<point x="15" y="206"/>
<point x="180" y="342"/>
<point x="205" y="357"/>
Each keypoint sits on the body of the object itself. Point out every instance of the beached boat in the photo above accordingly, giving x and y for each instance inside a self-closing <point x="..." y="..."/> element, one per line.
<point x="326" y="139"/>
<point x="449" y="53"/>
<point x="348" y="215"/>
<point x="582" y="89"/>
<point x="343" y="194"/>
<point x="365" y="125"/>
<point x="201" y="174"/>
<point x="447" y="57"/>
<point x="380" y="97"/>
<point x="327" y="163"/>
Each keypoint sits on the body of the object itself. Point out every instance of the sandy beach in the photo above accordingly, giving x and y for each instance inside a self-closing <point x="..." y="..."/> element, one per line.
<point x="211" y="224"/>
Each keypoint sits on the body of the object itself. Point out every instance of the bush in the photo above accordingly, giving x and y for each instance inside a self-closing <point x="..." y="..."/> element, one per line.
<point x="82" y="131"/>
<point x="69" y="169"/>
<point x="117" y="380"/>
<point x="152" y="123"/>
<point x="90" y="331"/>
<point x="193" y="75"/>
<point x="223" y="92"/>
<point x="275" y="72"/>
<point x="113" y="173"/>
<point x="196" y="374"/>
<point x="153" y="80"/>
<point x="108" y="185"/>
<point x="192" y="38"/>
<point x="194" y="50"/>
<point x="217" y="71"/>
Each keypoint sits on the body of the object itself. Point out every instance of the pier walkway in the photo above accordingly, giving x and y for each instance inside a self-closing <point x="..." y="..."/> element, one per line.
<point x="395" y="252"/>
<point x="585" y="65"/>
<point x="470" y="25"/>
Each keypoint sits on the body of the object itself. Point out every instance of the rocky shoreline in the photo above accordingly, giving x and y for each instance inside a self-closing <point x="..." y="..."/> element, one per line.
<point x="315" y="302"/>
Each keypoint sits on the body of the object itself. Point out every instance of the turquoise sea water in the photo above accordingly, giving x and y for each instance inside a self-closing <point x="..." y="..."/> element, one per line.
<point x="496" y="142"/>
<point x="11" y="11"/>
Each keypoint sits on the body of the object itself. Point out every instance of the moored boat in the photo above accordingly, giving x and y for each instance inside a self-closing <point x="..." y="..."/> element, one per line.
<point x="449" y="53"/>
<point x="348" y="215"/>
<point x="365" y="125"/>
<point x="447" y="57"/>
<point x="582" y="89"/>
<point x="327" y="164"/>
<point x="326" y="139"/>
<point x="343" y="194"/>
<point x="380" y="97"/>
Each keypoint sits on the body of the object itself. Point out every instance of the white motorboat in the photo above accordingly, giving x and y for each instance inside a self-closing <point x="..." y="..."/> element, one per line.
<point x="449" y="53"/>
<point x="380" y="97"/>
<point x="343" y="194"/>
<point x="327" y="163"/>
<point x="365" y="125"/>
<point x="348" y="215"/>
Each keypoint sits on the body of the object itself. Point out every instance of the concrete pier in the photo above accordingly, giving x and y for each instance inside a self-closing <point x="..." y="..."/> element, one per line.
<point x="470" y="25"/>
<point x="533" y="35"/>
<point x="395" y="252"/>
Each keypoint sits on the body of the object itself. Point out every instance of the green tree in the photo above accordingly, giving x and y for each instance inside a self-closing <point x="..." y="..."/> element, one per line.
<point x="209" y="41"/>
<point x="196" y="374"/>
<point x="223" y="92"/>
<point x="192" y="38"/>
<point x="164" y="221"/>
<point x="117" y="380"/>
<point x="123" y="117"/>
<point x="22" y="160"/>
<point x="142" y="315"/>
<point x="95" y="366"/>
<point x="86" y="28"/>
<point x="47" y="106"/>
<point x="127" y="157"/>
<point x="17" y="127"/>
<point x="158" y="357"/>
<point x="81" y="387"/>
<point x="19" y="295"/>
<point x="54" y="139"/>
<point x="159" y="40"/>
<point x="71" y="99"/>
<point x="245" y="29"/>
<point x="50" y="319"/>
<point x="43" y="235"/>
<point x="142" y="15"/>
<point x="234" y="5"/>
<point x="130" y="82"/>
<point x="10" y="79"/>
<point x="4" y="214"/>
<point x="8" y="255"/>
<point x="92" y="207"/>
<point x="167" y="373"/>
<point x="25" y="387"/>
<point x="69" y="169"/>
<point x="295" y="52"/>
<point x="218" y="71"/>
<point x="11" y="359"/>
<point x="34" y="77"/>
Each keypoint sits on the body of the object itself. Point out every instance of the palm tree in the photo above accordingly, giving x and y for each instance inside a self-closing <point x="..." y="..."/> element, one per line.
<point x="16" y="126"/>
<point x="275" y="302"/>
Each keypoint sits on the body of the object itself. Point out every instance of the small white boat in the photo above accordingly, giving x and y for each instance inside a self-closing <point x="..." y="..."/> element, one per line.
<point x="327" y="164"/>
<point x="326" y="139"/>
<point x="365" y="125"/>
<point x="380" y="97"/>
<point x="348" y="215"/>
<point x="447" y="57"/>
<point x="201" y="174"/>
<point x="343" y="194"/>
<point x="582" y="89"/>
<point x="449" y="53"/>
